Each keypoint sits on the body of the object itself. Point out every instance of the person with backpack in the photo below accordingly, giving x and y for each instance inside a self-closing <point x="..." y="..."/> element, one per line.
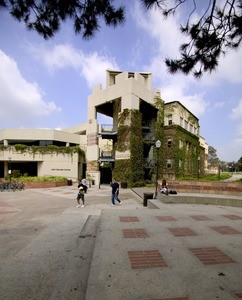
<point x="80" y="195"/>
<point x="115" y="192"/>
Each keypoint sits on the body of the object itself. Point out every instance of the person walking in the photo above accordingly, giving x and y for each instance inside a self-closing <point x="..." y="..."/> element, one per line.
<point x="79" y="196"/>
<point x="115" y="192"/>
<point x="84" y="184"/>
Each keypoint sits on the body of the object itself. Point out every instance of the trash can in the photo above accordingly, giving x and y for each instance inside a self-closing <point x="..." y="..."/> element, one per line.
<point x="69" y="182"/>
<point x="146" y="197"/>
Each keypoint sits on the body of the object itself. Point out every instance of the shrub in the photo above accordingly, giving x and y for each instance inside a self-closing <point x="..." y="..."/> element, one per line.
<point x="16" y="173"/>
<point x="42" y="179"/>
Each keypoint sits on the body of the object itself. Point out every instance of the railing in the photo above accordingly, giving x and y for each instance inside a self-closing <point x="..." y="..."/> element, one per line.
<point x="106" y="154"/>
<point x="107" y="128"/>
<point x="146" y="123"/>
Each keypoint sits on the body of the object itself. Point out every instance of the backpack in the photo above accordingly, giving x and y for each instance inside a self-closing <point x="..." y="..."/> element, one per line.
<point x="173" y="192"/>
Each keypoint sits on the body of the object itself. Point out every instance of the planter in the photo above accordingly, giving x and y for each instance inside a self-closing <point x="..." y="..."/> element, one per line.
<point x="43" y="184"/>
<point x="206" y="187"/>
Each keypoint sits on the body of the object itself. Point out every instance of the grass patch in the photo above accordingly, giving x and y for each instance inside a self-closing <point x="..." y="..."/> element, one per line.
<point x="207" y="177"/>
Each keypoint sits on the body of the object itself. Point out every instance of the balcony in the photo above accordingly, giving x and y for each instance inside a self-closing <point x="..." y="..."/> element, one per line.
<point x="106" y="156"/>
<point x="108" y="132"/>
<point x="145" y="125"/>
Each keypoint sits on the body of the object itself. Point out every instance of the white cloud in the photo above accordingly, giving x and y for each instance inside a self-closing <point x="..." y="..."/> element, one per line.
<point x="239" y="130"/>
<point x="232" y="149"/>
<point x="219" y="104"/>
<point x="94" y="66"/>
<point x="164" y="31"/>
<point x="91" y="67"/>
<point x="194" y="103"/>
<point x="167" y="39"/>
<point x="20" y="99"/>
<point x="237" y="111"/>
<point x="59" y="57"/>
<point x="229" y="70"/>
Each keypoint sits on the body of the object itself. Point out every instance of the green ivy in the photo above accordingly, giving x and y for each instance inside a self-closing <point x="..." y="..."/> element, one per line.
<point x="130" y="137"/>
<point x="3" y="148"/>
<point x="21" y="148"/>
<point x="159" y="134"/>
<point x="123" y="131"/>
<point x="122" y="170"/>
<point x="50" y="149"/>
<point x="188" y="157"/>
<point x="136" y="150"/>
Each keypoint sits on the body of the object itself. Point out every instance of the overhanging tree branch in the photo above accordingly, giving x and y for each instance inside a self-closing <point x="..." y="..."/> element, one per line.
<point x="218" y="30"/>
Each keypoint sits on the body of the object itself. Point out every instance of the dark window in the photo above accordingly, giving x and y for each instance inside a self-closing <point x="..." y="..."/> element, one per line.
<point x="169" y="143"/>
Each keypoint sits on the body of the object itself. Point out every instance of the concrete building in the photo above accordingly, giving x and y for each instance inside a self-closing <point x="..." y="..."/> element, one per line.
<point x="182" y="152"/>
<point x="41" y="152"/>
<point x="138" y="116"/>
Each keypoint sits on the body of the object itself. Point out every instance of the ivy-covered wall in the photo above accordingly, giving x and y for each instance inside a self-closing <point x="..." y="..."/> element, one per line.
<point x="130" y="138"/>
<point x="183" y="152"/>
<point x="159" y="135"/>
<point x="178" y="146"/>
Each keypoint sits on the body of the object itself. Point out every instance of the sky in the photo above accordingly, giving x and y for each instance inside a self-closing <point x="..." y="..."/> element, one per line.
<point x="46" y="83"/>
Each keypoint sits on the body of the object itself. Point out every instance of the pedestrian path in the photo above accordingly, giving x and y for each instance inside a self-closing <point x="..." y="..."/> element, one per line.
<point x="52" y="250"/>
<point x="177" y="252"/>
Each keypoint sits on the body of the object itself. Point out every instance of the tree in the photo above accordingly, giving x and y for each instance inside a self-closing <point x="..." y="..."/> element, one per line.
<point x="239" y="164"/>
<point x="213" y="160"/>
<point x="46" y="16"/>
<point x="217" y="30"/>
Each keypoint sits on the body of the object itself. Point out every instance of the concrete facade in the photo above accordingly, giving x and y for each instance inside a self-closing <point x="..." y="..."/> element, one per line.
<point x="39" y="163"/>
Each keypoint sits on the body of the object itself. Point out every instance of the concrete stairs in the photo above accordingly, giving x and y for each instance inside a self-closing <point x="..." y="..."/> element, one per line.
<point x="192" y="198"/>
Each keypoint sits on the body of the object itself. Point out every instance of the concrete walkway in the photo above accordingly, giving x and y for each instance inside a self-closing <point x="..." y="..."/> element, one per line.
<point x="234" y="177"/>
<point x="52" y="250"/>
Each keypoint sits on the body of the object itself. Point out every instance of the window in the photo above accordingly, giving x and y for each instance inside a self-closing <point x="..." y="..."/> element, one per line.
<point x="168" y="163"/>
<point x="169" y="142"/>
<point x="45" y="143"/>
<point x="180" y="144"/>
<point x="169" y="119"/>
<point x="191" y="128"/>
<point x="188" y="146"/>
<point x="181" y="121"/>
<point x="186" y="125"/>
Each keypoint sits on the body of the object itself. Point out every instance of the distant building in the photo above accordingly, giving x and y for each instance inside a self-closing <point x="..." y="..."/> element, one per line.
<point x="40" y="152"/>
<point x="131" y="103"/>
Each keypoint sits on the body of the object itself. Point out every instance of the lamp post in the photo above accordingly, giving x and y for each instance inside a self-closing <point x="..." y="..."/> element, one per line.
<point x="9" y="169"/>
<point x="157" y="145"/>
<point x="198" y="167"/>
<point x="219" y="170"/>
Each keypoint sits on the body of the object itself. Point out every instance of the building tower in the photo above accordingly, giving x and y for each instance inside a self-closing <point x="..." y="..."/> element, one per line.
<point x="124" y="92"/>
<point x="140" y="118"/>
